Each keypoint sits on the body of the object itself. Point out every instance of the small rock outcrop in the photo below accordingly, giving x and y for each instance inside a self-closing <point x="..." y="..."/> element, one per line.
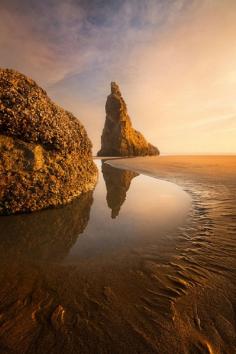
<point x="45" y="153"/>
<point x="119" y="138"/>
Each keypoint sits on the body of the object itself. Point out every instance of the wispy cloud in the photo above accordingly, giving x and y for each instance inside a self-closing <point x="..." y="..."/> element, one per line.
<point x="57" y="39"/>
<point x="224" y="121"/>
<point x="175" y="61"/>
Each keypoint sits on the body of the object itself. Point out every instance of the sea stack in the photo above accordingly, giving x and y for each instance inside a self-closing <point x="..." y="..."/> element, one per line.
<point x="119" y="138"/>
<point x="45" y="153"/>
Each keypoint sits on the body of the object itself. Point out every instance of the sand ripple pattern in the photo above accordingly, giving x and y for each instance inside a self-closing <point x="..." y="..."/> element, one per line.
<point x="196" y="287"/>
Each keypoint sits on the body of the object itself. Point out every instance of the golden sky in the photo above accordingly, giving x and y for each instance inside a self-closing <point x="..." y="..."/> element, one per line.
<point x="175" y="62"/>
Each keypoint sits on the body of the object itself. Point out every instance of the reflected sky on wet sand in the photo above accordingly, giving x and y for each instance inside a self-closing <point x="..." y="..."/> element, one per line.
<point x="145" y="209"/>
<point x="125" y="209"/>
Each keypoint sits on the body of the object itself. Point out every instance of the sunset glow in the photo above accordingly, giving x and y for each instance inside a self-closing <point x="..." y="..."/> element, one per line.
<point x="174" y="61"/>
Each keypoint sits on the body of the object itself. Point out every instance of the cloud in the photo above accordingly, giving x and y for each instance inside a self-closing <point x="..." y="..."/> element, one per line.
<point x="44" y="40"/>
<point x="174" y="59"/>
<point x="54" y="40"/>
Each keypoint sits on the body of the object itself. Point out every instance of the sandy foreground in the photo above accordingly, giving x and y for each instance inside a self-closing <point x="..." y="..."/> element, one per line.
<point x="162" y="298"/>
<point x="206" y="313"/>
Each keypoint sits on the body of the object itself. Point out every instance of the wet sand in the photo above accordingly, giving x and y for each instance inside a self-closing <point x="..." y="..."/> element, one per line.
<point x="203" y="296"/>
<point x="148" y="289"/>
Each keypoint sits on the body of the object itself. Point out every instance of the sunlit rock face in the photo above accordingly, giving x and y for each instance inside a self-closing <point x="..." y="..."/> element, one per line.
<point x="45" y="153"/>
<point x="119" y="138"/>
<point x="117" y="184"/>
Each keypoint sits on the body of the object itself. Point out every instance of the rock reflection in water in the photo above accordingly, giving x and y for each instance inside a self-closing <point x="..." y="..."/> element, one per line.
<point x="117" y="183"/>
<point x="46" y="235"/>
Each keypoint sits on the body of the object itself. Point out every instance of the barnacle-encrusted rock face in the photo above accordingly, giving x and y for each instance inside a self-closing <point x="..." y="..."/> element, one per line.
<point x="45" y="153"/>
<point x="119" y="138"/>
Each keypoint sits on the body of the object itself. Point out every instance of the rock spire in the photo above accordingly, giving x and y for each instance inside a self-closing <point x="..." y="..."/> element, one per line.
<point x="119" y="138"/>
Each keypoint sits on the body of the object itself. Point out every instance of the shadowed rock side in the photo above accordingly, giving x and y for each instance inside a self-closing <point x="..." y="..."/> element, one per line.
<point x="45" y="153"/>
<point x="46" y="235"/>
<point x="119" y="138"/>
<point x="117" y="184"/>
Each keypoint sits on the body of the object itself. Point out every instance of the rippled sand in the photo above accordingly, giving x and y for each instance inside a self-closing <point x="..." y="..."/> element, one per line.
<point x="198" y="283"/>
<point x="148" y="290"/>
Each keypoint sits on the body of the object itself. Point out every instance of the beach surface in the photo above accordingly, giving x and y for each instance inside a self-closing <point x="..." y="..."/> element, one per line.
<point x="207" y="265"/>
<point x="141" y="265"/>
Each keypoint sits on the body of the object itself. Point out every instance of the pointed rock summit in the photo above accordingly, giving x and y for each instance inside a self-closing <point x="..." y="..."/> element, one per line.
<point x="119" y="138"/>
